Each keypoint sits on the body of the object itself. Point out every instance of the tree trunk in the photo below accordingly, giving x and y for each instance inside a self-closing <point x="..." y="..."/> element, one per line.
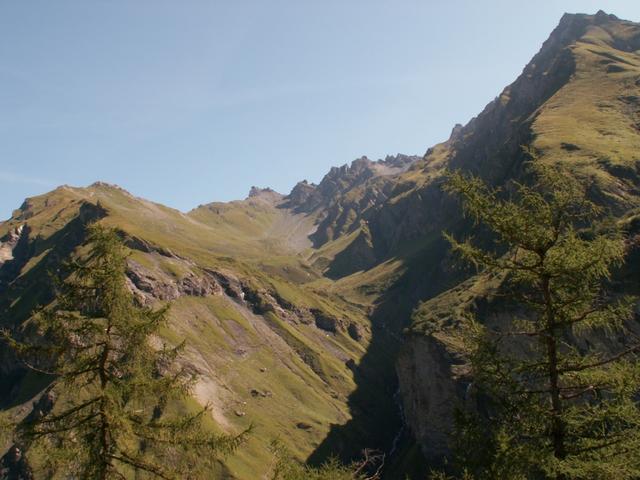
<point x="558" y="431"/>
<point x="105" y="461"/>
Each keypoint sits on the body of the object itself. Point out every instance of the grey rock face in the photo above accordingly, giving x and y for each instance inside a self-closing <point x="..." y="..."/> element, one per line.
<point x="326" y="322"/>
<point x="9" y="243"/>
<point x="431" y="386"/>
<point x="354" y="331"/>
<point x="149" y="286"/>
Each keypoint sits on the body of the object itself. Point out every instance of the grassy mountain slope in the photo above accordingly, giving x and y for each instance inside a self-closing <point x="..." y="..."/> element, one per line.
<point x="260" y="342"/>
<point x="294" y="307"/>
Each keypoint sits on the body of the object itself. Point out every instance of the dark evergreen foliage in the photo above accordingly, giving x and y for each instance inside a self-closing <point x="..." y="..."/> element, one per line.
<point x="121" y="392"/>
<point x="560" y="382"/>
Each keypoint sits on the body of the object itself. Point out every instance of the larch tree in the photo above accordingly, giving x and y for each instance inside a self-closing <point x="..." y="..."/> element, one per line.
<point x="121" y="393"/>
<point x="559" y="384"/>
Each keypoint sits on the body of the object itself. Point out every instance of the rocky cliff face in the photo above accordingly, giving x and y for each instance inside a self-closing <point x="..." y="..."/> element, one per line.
<point x="347" y="194"/>
<point x="9" y="243"/>
<point x="432" y="376"/>
<point x="342" y="180"/>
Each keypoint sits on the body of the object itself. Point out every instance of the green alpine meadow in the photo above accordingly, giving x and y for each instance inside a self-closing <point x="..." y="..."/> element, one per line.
<point x="467" y="314"/>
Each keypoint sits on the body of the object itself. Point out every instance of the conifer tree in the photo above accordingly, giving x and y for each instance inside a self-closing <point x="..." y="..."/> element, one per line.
<point x="120" y="390"/>
<point x="559" y="385"/>
<point x="285" y="467"/>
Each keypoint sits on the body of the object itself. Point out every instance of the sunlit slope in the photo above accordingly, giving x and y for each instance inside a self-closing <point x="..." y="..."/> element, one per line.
<point x="248" y="228"/>
<point x="262" y="218"/>
<point x="593" y="123"/>
<point x="269" y="351"/>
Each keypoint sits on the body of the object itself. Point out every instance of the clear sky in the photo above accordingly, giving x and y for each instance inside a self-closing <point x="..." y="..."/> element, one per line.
<point x="186" y="102"/>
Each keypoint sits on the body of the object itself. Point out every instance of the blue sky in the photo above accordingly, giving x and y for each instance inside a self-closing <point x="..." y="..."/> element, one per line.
<point x="187" y="102"/>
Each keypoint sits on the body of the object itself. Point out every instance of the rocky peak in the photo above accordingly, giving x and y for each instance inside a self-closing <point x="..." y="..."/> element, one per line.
<point x="601" y="17"/>
<point x="456" y="131"/>
<point x="256" y="191"/>
<point x="342" y="179"/>
<point x="502" y="127"/>
<point x="360" y="164"/>
<point x="100" y="187"/>
<point x="266" y="194"/>
<point x="361" y="169"/>
<point x="304" y="185"/>
<point x="304" y="197"/>
<point x="107" y="186"/>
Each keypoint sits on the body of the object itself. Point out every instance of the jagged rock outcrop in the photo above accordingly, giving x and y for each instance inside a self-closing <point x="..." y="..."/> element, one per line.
<point x="229" y="283"/>
<point x="354" y="331"/>
<point x="346" y="192"/>
<point x="136" y="243"/>
<point x="304" y="197"/>
<point x="265" y="194"/>
<point x="326" y="322"/>
<point x="341" y="179"/>
<point x="263" y="301"/>
<point x="9" y="242"/>
<point x="149" y="288"/>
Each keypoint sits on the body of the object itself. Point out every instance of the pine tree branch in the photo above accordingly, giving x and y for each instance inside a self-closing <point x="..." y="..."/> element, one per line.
<point x="67" y="413"/>
<point x="598" y="447"/>
<point x="38" y="433"/>
<point x="579" y="368"/>
<point x="140" y="465"/>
